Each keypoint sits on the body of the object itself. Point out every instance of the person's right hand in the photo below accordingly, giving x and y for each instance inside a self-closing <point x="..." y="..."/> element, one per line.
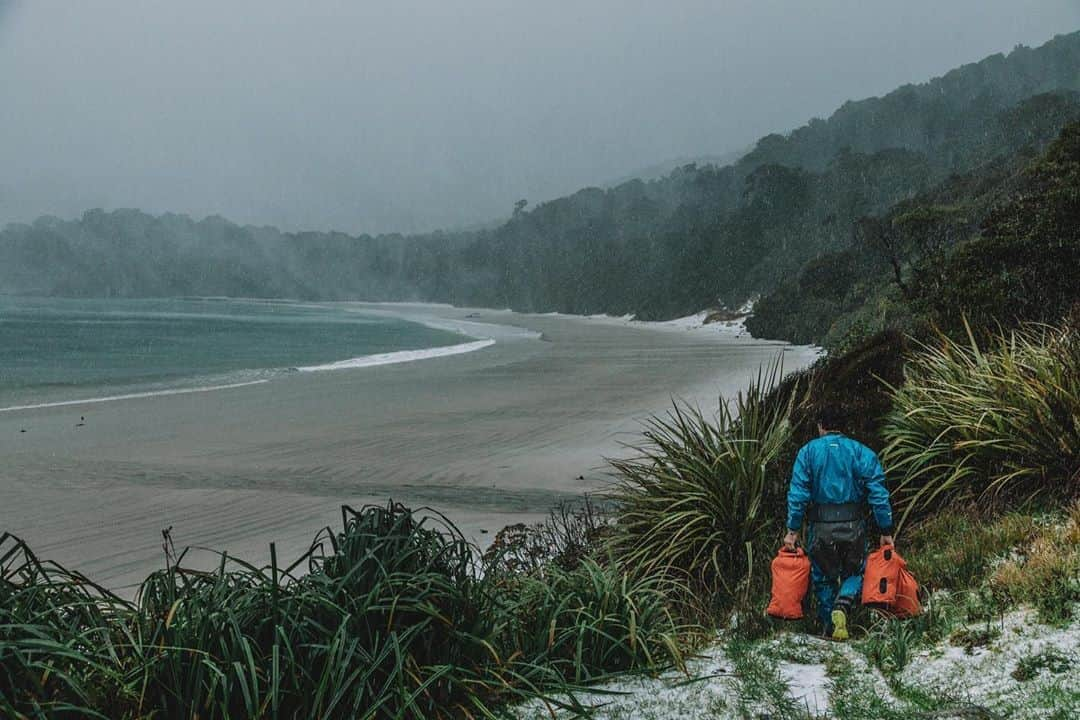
<point x="790" y="539"/>
<point x="887" y="540"/>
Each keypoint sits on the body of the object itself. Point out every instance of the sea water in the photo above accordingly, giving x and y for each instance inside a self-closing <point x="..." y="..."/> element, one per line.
<point x="57" y="351"/>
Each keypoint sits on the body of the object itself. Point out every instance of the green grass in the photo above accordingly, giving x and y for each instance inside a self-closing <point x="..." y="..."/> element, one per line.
<point x="991" y="425"/>
<point x="762" y="692"/>
<point x="1049" y="660"/>
<point x="1045" y="572"/>
<point x="391" y="617"/>
<point x="64" y="642"/>
<point x="956" y="550"/>
<point x="701" y="500"/>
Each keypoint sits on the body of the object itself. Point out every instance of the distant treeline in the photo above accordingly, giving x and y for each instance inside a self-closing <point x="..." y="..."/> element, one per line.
<point x="701" y="236"/>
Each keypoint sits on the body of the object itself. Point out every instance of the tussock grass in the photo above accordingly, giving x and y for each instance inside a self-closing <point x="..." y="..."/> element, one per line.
<point x="391" y="617"/>
<point x="63" y="640"/>
<point x="596" y="621"/>
<point x="996" y="425"/>
<point x="699" y="501"/>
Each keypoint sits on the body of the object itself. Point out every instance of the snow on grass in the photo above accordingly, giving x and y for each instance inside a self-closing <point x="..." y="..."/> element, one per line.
<point x="710" y="691"/>
<point x="1028" y="671"/>
<point x="808" y="686"/>
<point x="821" y="675"/>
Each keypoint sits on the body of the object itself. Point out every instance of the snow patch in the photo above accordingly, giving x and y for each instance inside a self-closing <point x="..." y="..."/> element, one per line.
<point x="985" y="675"/>
<point x="710" y="691"/>
<point x="808" y="686"/>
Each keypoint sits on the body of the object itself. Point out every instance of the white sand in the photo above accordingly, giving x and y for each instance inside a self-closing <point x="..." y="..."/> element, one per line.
<point x="490" y="437"/>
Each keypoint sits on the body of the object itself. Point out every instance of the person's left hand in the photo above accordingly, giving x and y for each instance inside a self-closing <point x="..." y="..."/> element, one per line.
<point x="887" y="540"/>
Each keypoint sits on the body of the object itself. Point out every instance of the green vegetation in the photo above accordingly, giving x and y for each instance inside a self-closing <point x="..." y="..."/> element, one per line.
<point x="63" y="640"/>
<point x="990" y="245"/>
<point x="1051" y="660"/>
<point x="1045" y="572"/>
<point x="995" y="424"/>
<point x="699" y="502"/>
<point x="392" y="619"/>
<point x="955" y="551"/>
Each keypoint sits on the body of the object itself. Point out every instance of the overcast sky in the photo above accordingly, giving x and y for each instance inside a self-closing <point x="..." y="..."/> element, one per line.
<point x="380" y="115"/>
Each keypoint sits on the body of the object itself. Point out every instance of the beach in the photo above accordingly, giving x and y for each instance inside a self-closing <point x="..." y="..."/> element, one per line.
<point x="492" y="436"/>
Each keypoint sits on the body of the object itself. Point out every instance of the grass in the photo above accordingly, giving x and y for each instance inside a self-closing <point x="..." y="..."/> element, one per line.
<point x="957" y="550"/>
<point x="700" y="499"/>
<point x="595" y="621"/>
<point x="391" y="617"/>
<point x="762" y="692"/>
<point x="1049" y="660"/>
<point x="995" y="425"/>
<point x="1046" y="571"/>
<point x="63" y="640"/>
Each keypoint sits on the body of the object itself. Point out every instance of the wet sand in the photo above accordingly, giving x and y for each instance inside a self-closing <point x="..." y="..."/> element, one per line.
<point x="490" y="438"/>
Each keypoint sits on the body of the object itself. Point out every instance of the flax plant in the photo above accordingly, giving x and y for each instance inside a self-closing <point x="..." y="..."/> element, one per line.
<point x="701" y="498"/>
<point x="987" y="425"/>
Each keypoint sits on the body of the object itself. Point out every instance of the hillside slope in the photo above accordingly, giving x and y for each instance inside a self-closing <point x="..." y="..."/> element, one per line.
<point x="702" y="235"/>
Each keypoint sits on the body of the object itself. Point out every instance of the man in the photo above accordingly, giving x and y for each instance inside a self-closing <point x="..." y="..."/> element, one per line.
<point x="833" y="481"/>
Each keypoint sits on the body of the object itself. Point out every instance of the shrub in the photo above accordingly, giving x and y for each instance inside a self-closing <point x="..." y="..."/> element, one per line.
<point x="572" y="532"/>
<point x="593" y="621"/>
<point x="390" y="621"/>
<point x="997" y="425"/>
<point x="392" y="617"/>
<point x="702" y="500"/>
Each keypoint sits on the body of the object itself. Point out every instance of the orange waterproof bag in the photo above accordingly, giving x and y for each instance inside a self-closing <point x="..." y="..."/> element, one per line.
<point x="790" y="582"/>
<point x="907" y="595"/>
<point x="881" y="577"/>
<point x="889" y="585"/>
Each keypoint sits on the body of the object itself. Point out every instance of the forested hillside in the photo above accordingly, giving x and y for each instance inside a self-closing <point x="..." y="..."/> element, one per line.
<point x="697" y="237"/>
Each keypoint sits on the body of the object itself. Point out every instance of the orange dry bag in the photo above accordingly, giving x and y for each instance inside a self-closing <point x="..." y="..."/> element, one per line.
<point x="790" y="581"/>
<point x="881" y="576"/>
<point x="907" y="595"/>
<point x="887" y="584"/>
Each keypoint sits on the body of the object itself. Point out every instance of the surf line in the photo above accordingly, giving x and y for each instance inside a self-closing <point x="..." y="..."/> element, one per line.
<point x="134" y="396"/>
<point x="402" y="356"/>
<point x="363" y="361"/>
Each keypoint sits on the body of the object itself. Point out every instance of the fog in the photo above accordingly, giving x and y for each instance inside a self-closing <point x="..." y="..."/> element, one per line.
<point x="416" y="114"/>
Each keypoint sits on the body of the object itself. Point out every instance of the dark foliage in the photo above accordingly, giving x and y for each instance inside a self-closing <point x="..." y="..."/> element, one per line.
<point x="983" y="244"/>
<point x="392" y="617"/>
<point x="1025" y="265"/>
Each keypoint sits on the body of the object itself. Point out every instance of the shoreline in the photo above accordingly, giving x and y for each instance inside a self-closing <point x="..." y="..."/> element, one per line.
<point x="490" y="438"/>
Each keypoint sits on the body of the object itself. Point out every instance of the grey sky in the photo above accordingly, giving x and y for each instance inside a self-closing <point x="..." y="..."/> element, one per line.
<point x="365" y="115"/>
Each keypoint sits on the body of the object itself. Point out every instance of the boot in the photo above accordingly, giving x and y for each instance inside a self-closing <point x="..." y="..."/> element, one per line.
<point x="839" y="619"/>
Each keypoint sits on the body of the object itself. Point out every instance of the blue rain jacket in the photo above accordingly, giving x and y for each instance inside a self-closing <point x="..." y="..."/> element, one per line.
<point x="832" y="470"/>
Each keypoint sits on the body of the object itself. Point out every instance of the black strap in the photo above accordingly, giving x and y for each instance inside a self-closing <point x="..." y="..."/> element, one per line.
<point x="840" y="512"/>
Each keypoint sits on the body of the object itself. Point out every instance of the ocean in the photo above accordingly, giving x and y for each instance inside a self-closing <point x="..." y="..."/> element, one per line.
<point x="66" y="351"/>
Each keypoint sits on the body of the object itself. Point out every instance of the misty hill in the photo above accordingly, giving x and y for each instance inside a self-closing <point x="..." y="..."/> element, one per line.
<point x="663" y="169"/>
<point x="996" y="246"/>
<point x="700" y="235"/>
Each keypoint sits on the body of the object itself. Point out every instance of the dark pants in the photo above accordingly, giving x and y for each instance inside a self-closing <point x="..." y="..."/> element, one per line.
<point x="837" y="560"/>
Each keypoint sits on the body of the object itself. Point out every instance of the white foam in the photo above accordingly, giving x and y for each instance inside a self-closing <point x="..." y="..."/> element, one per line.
<point x="401" y="356"/>
<point x="133" y="396"/>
